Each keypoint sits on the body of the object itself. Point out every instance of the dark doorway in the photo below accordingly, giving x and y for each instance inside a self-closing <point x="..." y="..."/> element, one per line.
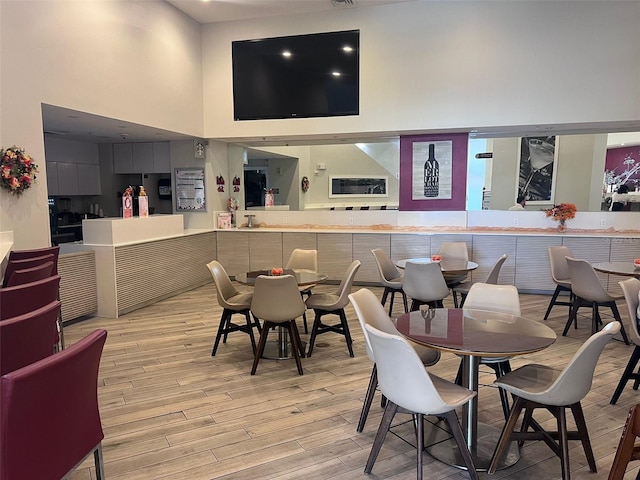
<point x="255" y="183"/>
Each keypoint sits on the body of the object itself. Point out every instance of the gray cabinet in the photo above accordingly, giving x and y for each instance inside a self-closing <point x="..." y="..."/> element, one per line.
<point x="89" y="179"/>
<point x="122" y="158"/>
<point x="68" y="179"/>
<point x="52" y="178"/>
<point x="146" y="157"/>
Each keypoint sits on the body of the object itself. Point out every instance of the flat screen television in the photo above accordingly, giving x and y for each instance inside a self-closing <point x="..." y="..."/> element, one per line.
<point x="300" y="76"/>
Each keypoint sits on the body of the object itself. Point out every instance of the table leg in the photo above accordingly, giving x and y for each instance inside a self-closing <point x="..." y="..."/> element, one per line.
<point x="481" y="439"/>
<point x="279" y="349"/>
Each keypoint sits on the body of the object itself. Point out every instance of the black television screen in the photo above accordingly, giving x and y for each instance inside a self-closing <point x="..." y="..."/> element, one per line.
<point x="300" y="76"/>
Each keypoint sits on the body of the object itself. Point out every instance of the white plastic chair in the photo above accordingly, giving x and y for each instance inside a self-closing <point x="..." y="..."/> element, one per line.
<point x="560" y="275"/>
<point x="463" y="288"/>
<point x="424" y="283"/>
<point x="277" y="302"/>
<point x="458" y="251"/>
<point x="589" y="292"/>
<point x="333" y="304"/>
<point x="390" y="278"/>
<point x="371" y="312"/>
<point x="538" y="386"/>
<point x="306" y="260"/>
<point x="410" y="389"/>
<point x="494" y="298"/>
<point x="630" y="288"/>
<point x="232" y="302"/>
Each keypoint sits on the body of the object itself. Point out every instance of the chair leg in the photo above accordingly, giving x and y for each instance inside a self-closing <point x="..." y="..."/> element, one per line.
<point x="463" y="298"/>
<point x="404" y="302"/>
<point x="573" y="316"/>
<point x="368" y="398"/>
<point x="261" y="344"/>
<point x="419" y="422"/>
<point x="224" y="320"/>
<point x="616" y="315"/>
<point x="455" y="299"/>
<point x="505" y="436"/>
<point x="98" y="461"/>
<point x="595" y="318"/>
<point x="314" y="332"/>
<point x="385" y="294"/>
<point x="581" y="425"/>
<point x="456" y="430"/>
<point x="294" y="325"/>
<point x="501" y="370"/>
<point x="626" y="375"/>
<point x="347" y="332"/>
<point x="295" y="344"/>
<point x="393" y="299"/>
<point x="556" y="292"/>
<point x="563" y="441"/>
<point x="250" y="330"/>
<point x="385" y="423"/>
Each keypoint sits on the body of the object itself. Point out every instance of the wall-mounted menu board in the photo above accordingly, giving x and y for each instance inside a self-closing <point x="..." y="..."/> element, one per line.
<point x="190" y="191"/>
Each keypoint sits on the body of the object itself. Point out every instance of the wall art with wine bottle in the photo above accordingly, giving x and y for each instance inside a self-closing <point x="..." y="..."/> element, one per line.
<point x="433" y="172"/>
<point x="536" y="166"/>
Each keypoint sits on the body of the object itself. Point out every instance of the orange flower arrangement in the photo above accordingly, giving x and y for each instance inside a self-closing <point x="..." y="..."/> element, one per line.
<point x="562" y="213"/>
<point x="17" y="170"/>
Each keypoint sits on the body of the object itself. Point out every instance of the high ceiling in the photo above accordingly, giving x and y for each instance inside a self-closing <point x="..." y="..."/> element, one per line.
<point x="211" y="11"/>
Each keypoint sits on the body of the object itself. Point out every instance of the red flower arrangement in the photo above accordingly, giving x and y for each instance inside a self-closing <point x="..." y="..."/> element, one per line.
<point x="17" y="170"/>
<point x="562" y="213"/>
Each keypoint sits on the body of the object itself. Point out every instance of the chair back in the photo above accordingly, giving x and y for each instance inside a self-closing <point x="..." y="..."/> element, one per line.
<point x="277" y="299"/>
<point x="386" y="268"/>
<point x="456" y="250"/>
<point x="38" y="252"/>
<point x="344" y="289"/>
<point x="224" y="287"/>
<point x="574" y="382"/>
<point x="631" y="289"/>
<point x="303" y="260"/>
<point x="28" y="338"/>
<point x="49" y="417"/>
<point x="495" y="298"/>
<point x="401" y="374"/>
<point x="27" y="263"/>
<point x="28" y="275"/>
<point x="585" y="282"/>
<point x="370" y="311"/>
<point x="558" y="264"/>
<point x="494" y="274"/>
<point x="424" y="282"/>
<point x="24" y="298"/>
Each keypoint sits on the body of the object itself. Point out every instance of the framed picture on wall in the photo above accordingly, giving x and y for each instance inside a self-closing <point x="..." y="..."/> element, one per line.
<point x="433" y="172"/>
<point x="537" y="160"/>
<point x="347" y="186"/>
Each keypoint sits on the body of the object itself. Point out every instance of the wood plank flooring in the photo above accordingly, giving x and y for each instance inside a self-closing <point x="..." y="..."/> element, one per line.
<point x="171" y="411"/>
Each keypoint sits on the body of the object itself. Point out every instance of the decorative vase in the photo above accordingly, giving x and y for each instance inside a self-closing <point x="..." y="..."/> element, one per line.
<point x="562" y="225"/>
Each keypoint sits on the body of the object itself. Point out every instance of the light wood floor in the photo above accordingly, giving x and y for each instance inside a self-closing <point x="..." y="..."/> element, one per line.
<point x="171" y="411"/>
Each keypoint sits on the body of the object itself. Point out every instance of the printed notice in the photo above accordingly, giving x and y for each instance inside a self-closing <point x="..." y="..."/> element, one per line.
<point x="190" y="192"/>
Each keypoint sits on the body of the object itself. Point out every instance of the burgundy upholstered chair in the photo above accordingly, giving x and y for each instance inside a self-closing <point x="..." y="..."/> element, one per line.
<point x="21" y="299"/>
<point x="20" y="259"/>
<point x="33" y="442"/>
<point x="28" y="338"/>
<point x="38" y="252"/>
<point x="28" y="275"/>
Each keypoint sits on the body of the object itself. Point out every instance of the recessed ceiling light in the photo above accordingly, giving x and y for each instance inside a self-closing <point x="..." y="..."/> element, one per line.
<point x="347" y="48"/>
<point x="286" y="53"/>
<point x="335" y="74"/>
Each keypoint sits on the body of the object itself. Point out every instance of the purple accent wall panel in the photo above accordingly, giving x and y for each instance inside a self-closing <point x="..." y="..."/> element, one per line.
<point x="623" y="163"/>
<point x="433" y="172"/>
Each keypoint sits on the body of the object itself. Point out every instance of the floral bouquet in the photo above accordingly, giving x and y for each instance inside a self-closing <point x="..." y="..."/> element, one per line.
<point x="17" y="170"/>
<point x="562" y="213"/>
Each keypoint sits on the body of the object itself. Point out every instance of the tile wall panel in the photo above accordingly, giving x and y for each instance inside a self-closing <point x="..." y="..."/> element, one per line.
<point x="233" y="251"/>
<point x="334" y="254"/>
<point x="621" y="250"/>
<point x="293" y="240"/>
<point x="410" y="246"/>
<point x="438" y="239"/>
<point x="362" y="246"/>
<point x="148" y="272"/>
<point x="78" y="287"/>
<point x="487" y="249"/>
<point x="532" y="263"/>
<point x="265" y="250"/>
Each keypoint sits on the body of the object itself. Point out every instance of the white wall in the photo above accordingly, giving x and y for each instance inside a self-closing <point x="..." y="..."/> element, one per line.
<point x="133" y="60"/>
<point x="436" y="65"/>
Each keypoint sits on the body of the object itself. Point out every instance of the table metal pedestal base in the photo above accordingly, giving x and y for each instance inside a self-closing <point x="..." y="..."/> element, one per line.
<point x="280" y="349"/>
<point x="447" y="450"/>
